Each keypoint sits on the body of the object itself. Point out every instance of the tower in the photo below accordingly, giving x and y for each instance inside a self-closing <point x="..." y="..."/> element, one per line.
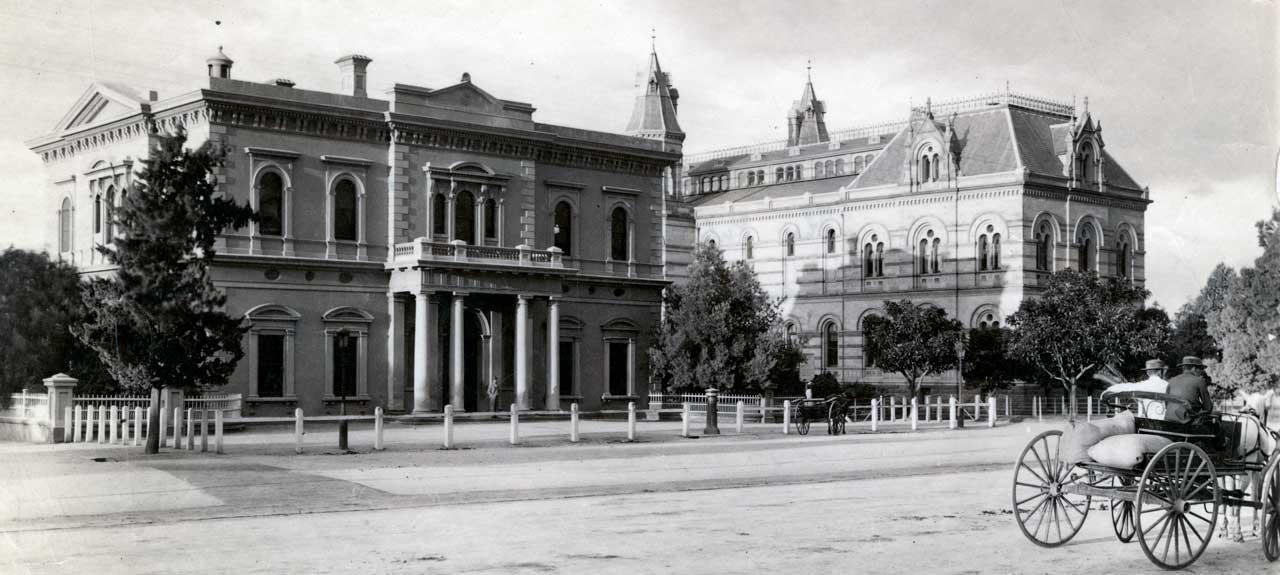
<point x="219" y="65"/>
<point x="805" y="123"/>
<point x="654" y="115"/>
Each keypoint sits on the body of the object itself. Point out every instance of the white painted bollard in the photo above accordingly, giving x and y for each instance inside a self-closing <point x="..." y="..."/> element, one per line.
<point x="515" y="424"/>
<point x="191" y="430"/>
<point x="297" y="431"/>
<point x="377" y="429"/>
<point x="631" y="421"/>
<point x="915" y="416"/>
<point x="977" y="407"/>
<point x="204" y="431"/>
<point x="684" y="420"/>
<point x="102" y="424"/>
<point x="113" y="425"/>
<point x="164" y="426"/>
<point x="448" y="426"/>
<point x="740" y="416"/>
<point x="217" y="431"/>
<point x="137" y="425"/>
<point x="875" y="415"/>
<point x="75" y="424"/>
<point x="177" y="428"/>
<point x="786" y="416"/>
<point x="1040" y="409"/>
<point x="926" y="408"/>
<point x="1007" y="413"/>
<point x="1089" y="407"/>
<point x="952" y="425"/>
<point x="893" y="409"/>
<point x="991" y="411"/>
<point x="573" y="422"/>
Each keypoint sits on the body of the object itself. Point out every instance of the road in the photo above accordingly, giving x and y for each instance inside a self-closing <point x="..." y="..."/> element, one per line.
<point x="934" y="501"/>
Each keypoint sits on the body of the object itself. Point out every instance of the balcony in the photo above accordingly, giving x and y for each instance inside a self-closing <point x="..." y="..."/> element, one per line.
<point x="458" y="251"/>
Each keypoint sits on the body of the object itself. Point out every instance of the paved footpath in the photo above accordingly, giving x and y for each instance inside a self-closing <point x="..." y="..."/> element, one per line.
<point x="934" y="501"/>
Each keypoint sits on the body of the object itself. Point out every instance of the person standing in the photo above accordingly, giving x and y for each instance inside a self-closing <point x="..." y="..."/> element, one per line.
<point x="1192" y="387"/>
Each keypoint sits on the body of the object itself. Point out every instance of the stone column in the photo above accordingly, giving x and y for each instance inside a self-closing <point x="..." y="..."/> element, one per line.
<point x="479" y="217"/>
<point x="455" y="350"/>
<point x="60" y="388"/>
<point x="553" y="354"/>
<point x="422" y="354"/>
<point x="395" y="352"/>
<point x="522" y="352"/>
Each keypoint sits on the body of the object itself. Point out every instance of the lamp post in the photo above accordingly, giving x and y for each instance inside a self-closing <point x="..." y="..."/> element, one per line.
<point x="960" y="380"/>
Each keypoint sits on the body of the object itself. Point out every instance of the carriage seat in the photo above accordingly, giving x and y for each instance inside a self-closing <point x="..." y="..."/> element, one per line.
<point x="1207" y="430"/>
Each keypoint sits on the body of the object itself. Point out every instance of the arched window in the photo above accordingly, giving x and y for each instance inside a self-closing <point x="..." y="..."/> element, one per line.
<point x="491" y="220"/>
<point x="868" y="261"/>
<point x="924" y="168"/>
<point x="109" y="212"/>
<point x="936" y="264"/>
<point x="831" y="241"/>
<point x="742" y="179"/>
<point x="778" y="176"/>
<point x="97" y="213"/>
<point x="563" y="227"/>
<point x="464" y="217"/>
<point x="791" y="173"/>
<point x="438" y="209"/>
<point x="790" y="330"/>
<point x="937" y="167"/>
<point x="344" y="210"/>
<point x="748" y="249"/>
<point x="800" y="172"/>
<point x="760" y="177"/>
<point x="924" y="256"/>
<point x="983" y="253"/>
<point x="64" y="226"/>
<point x="830" y="345"/>
<point x="1085" y="253"/>
<point x="1042" y="248"/>
<point x="1122" y="259"/>
<point x="1085" y="164"/>
<point x="724" y="182"/>
<point x="618" y="244"/>
<point x="270" y="204"/>
<point x="857" y="165"/>
<point x="995" y="252"/>
<point x="817" y="170"/>
<point x="751" y="178"/>
<point x="711" y="243"/>
<point x="791" y="244"/>
<point x="879" y="259"/>
<point x="839" y="166"/>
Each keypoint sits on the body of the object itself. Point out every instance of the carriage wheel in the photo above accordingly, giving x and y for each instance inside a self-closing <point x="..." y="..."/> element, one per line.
<point x="835" y="419"/>
<point x="1172" y="532"/>
<point x="1046" y="514"/>
<point x="1271" y="509"/>
<point x="1122" y="513"/>
<point x="802" y="422"/>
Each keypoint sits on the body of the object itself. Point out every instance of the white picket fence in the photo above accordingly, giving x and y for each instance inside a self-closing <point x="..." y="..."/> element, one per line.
<point x="725" y="403"/>
<point x="27" y="406"/>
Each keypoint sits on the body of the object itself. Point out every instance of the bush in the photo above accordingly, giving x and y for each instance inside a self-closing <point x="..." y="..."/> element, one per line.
<point x="825" y="384"/>
<point x="858" y="391"/>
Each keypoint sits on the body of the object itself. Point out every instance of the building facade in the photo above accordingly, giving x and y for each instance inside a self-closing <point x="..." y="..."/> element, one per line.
<point x="967" y="206"/>
<point x="421" y="249"/>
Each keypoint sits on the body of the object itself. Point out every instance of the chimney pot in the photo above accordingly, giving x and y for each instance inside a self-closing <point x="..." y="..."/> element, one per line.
<point x="283" y="82"/>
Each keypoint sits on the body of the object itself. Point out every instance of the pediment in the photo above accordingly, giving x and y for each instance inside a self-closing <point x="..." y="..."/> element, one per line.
<point x="99" y="104"/>
<point x="465" y="96"/>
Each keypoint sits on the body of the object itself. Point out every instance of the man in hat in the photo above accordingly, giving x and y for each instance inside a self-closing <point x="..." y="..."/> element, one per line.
<point x="1191" y="386"/>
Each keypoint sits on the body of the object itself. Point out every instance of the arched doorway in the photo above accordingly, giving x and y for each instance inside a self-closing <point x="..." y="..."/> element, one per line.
<point x="476" y="353"/>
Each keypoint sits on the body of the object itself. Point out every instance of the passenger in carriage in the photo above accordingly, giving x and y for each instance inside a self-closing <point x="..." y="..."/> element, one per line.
<point x="1192" y="386"/>
<point x="1154" y="383"/>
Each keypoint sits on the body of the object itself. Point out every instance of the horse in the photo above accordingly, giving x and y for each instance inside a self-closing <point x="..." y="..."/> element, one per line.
<point x="1256" y="445"/>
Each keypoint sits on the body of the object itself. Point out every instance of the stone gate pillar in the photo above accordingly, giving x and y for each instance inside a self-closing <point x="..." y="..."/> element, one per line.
<point x="61" y="389"/>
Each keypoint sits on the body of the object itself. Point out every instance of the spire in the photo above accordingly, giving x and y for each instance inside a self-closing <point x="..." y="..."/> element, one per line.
<point x="654" y="115"/>
<point x="805" y="123"/>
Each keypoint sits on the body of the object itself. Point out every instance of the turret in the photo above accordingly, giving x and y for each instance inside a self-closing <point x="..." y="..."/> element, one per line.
<point x="805" y="122"/>
<point x="654" y="115"/>
<point x="219" y="65"/>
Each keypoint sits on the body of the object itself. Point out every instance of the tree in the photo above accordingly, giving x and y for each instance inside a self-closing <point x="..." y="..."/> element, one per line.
<point x="39" y="301"/>
<point x="913" y="340"/>
<point x="1081" y="322"/>
<point x="1248" y="325"/>
<point x="721" y="330"/>
<point x="159" y="320"/>
<point x="987" y="364"/>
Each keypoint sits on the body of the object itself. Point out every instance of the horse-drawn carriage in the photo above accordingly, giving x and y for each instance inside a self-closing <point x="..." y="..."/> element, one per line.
<point x="1170" y="501"/>
<point x="832" y="410"/>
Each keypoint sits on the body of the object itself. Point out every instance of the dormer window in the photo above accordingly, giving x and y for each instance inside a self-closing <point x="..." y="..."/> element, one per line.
<point x="1086" y="162"/>
<point x="929" y="166"/>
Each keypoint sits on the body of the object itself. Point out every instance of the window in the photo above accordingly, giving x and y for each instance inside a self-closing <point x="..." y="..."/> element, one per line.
<point x="982" y="253"/>
<point x="1122" y="259"/>
<point x="995" y="252"/>
<point x="619" y="367"/>
<point x="791" y="244"/>
<point x="345" y="358"/>
<point x="568" y="359"/>
<point x="791" y="334"/>
<point x="778" y="176"/>
<point x="857" y="165"/>
<point x="64" y="226"/>
<point x="1085" y="253"/>
<point x="97" y="213"/>
<point x="879" y="259"/>
<point x="1042" y="248"/>
<point x="924" y="256"/>
<point x="712" y="243"/>
<point x="817" y="170"/>
<point x="724" y="182"/>
<point x="344" y="211"/>
<point x="491" y="220"/>
<point x="830" y="345"/>
<point x="868" y="261"/>
<point x="748" y="250"/>
<point x="618" y="235"/>
<point x="831" y="241"/>
<point x="760" y="177"/>
<point x="270" y="204"/>
<point x="924" y="168"/>
<point x="109" y="212"/>
<point x="937" y="167"/>
<point x="563" y="227"/>
<point x="937" y="245"/>
<point x="1084" y="164"/>
<point x="742" y="179"/>
<point x="270" y="365"/>
<point x="464" y="217"/>
<point x="438" y="215"/>
<point x="751" y="178"/>
<point x="839" y="166"/>
<point x="799" y="172"/>
<point x="829" y="167"/>
<point x="929" y="247"/>
<point x="791" y="173"/>
<point x="988" y="321"/>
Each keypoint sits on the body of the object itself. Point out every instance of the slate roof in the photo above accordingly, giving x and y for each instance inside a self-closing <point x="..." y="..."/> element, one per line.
<point x="782" y="156"/>
<point x="775" y="191"/>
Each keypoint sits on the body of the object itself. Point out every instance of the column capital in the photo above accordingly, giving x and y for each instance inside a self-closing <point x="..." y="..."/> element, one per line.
<point x="522" y="299"/>
<point x="554" y="299"/>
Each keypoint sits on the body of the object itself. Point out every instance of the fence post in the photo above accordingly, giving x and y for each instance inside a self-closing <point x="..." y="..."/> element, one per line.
<point x="73" y="424"/>
<point x="786" y="416"/>
<point x="113" y="424"/>
<point x="177" y="428"/>
<point x="915" y="415"/>
<point x="102" y="423"/>
<point x="77" y="423"/>
<point x="1089" y="406"/>
<point x="631" y="421"/>
<point x="952" y="425"/>
<point x="573" y="422"/>
<point x="1062" y="408"/>
<point x="515" y="424"/>
<point x="377" y="428"/>
<point x="1007" y="413"/>
<point x="991" y="411"/>
<point x="741" y="414"/>
<point x="217" y="431"/>
<point x="684" y="419"/>
<point x="875" y="415"/>
<point x="204" y="431"/>
<point x="297" y="431"/>
<point x="191" y="430"/>
<point x="164" y="425"/>
<point x="448" y="426"/>
<point x="137" y="424"/>
<point x="893" y="408"/>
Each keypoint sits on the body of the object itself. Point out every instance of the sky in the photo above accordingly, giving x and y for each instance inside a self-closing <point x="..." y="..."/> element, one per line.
<point x="1186" y="91"/>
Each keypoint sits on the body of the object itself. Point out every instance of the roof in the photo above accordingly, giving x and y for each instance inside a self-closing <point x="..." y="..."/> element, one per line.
<point x="774" y="191"/>
<point x="654" y="114"/>
<point x="741" y="161"/>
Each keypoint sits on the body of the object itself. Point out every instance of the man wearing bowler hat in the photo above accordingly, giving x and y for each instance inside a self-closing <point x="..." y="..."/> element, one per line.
<point x="1191" y="386"/>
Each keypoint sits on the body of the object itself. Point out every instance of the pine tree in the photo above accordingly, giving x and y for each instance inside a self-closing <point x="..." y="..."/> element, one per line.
<point x="158" y="320"/>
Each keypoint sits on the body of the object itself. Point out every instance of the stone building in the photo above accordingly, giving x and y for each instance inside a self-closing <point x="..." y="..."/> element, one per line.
<point x="414" y="249"/>
<point x="967" y="205"/>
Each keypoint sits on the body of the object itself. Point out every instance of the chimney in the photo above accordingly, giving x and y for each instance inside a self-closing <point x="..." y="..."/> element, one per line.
<point x="219" y="65"/>
<point x="283" y="82"/>
<point x="352" y="69"/>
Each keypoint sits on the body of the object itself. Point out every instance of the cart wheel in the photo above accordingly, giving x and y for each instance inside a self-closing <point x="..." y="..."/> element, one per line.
<point x="1271" y="509"/>
<point x="802" y="423"/>
<point x="1122" y="513"/>
<point x="1045" y="513"/>
<point x="835" y="419"/>
<point x="1179" y="478"/>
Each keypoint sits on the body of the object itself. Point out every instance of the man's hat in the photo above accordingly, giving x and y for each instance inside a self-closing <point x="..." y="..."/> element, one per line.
<point x="1155" y="364"/>
<point x="1191" y="360"/>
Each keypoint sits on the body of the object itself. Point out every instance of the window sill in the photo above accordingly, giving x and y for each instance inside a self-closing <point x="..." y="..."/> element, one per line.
<point x="286" y="399"/>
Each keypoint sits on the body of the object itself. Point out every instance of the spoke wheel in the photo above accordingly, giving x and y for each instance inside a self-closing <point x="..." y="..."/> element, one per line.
<point x="835" y="419"/>
<point x="1045" y="513"/>
<point x="1271" y="509"/>
<point x="802" y="423"/>
<point x="1177" y="505"/>
<point x="1122" y="513"/>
